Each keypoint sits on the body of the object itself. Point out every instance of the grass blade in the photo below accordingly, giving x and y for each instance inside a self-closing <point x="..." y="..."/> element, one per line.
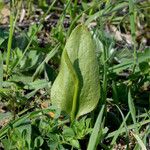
<point x="123" y="124"/>
<point x="48" y="57"/>
<point x="139" y="124"/>
<point x="140" y="142"/>
<point x="11" y="31"/>
<point x="132" y="109"/>
<point x="132" y="26"/>
<point x="1" y="69"/>
<point x="95" y="133"/>
<point x="9" y="42"/>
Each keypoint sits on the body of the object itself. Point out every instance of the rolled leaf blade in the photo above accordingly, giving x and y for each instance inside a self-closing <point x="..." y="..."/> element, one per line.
<point x="81" y="52"/>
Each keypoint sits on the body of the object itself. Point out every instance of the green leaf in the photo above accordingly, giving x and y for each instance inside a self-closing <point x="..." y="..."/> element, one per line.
<point x="144" y="67"/>
<point x="76" y="89"/>
<point x="68" y="132"/>
<point x="38" y="141"/>
<point x="38" y="84"/>
<point x="75" y="143"/>
<point x="7" y="144"/>
<point x="3" y="36"/>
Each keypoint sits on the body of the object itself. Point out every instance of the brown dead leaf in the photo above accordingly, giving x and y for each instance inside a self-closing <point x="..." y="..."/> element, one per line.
<point x="44" y="104"/>
<point x="22" y="15"/>
<point x="4" y="15"/>
<point x="4" y="122"/>
<point x="118" y="35"/>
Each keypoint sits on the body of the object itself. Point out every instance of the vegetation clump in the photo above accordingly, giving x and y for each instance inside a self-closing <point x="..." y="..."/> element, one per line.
<point x="74" y="75"/>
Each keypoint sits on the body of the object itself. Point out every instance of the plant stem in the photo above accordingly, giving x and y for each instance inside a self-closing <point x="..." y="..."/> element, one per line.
<point x="11" y="31"/>
<point x="1" y="70"/>
<point x="133" y="30"/>
<point x="9" y="42"/>
<point x="105" y="78"/>
<point x="76" y="85"/>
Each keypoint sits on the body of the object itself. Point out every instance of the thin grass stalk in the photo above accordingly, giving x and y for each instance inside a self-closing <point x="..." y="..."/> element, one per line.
<point x="11" y="31"/>
<point x="74" y="9"/>
<point x="9" y="41"/>
<point x="105" y="77"/>
<point x="132" y="110"/>
<point x="60" y="21"/>
<point x="144" y="136"/>
<point x="1" y="69"/>
<point x="94" y="138"/>
<point x="47" y="58"/>
<point x="123" y="124"/>
<point x="105" y="68"/>
<point x="130" y="127"/>
<point x="140" y="142"/>
<point x="133" y="30"/>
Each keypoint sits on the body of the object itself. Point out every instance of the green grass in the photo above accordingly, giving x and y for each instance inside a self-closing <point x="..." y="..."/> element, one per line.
<point x="28" y="71"/>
